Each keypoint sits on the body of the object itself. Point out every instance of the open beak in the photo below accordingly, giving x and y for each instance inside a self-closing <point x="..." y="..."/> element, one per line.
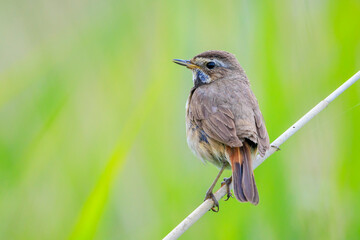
<point x="185" y="63"/>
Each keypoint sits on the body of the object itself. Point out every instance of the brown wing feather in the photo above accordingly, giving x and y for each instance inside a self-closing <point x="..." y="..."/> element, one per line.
<point x="262" y="134"/>
<point x="258" y="123"/>
<point x="263" y="137"/>
<point x="216" y="121"/>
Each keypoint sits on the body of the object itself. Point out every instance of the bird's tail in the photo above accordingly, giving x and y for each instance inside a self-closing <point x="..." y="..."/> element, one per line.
<point x="242" y="174"/>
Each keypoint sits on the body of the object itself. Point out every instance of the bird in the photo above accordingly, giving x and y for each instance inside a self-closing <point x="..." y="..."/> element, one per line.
<point x="224" y="124"/>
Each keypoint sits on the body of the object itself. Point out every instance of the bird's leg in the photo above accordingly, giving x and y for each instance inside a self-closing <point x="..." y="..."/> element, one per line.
<point x="227" y="182"/>
<point x="209" y="193"/>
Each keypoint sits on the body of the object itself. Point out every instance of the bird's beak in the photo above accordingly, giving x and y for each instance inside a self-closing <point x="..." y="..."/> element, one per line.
<point x="185" y="63"/>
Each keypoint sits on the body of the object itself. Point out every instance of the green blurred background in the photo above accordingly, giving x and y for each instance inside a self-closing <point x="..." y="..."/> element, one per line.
<point x="92" y="132"/>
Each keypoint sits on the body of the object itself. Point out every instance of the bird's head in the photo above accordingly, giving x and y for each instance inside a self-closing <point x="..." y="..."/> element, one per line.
<point x="211" y="66"/>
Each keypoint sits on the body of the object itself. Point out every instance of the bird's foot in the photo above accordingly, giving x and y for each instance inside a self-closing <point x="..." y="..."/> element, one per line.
<point x="210" y="195"/>
<point x="227" y="182"/>
<point x="276" y="147"/>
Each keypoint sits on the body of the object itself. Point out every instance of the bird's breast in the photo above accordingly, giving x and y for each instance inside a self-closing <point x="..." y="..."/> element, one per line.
<point x="203" y="146"/>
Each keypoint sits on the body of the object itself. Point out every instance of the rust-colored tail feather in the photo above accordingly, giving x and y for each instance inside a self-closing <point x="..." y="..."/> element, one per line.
<point x="242" y="174"/>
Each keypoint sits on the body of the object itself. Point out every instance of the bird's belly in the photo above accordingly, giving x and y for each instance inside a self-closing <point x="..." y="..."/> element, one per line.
<point x="204" y="147"/>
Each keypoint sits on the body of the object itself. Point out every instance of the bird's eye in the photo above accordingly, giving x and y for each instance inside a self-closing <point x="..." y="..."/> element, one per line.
<point x="210" y="65"/>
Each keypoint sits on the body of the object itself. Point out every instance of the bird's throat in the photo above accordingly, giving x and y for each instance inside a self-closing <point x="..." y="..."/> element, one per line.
<point x="200" y="78"/>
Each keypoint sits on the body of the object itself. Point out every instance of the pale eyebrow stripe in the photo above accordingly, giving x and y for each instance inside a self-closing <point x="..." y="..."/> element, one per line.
<point x="219" y="63"/>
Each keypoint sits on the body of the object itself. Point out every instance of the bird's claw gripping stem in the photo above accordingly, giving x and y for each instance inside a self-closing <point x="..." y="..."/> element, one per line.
<point x="210" y="195"/>
<point x="227" y="182"/>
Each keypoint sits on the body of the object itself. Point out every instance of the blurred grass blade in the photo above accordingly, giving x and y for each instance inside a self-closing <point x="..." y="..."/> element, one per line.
<point x="33" y="166"/>
<point x="89" y="217"/>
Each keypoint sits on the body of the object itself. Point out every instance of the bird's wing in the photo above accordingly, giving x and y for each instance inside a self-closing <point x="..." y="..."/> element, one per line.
<point x="231" y="125"/>
<point x="263" y="137"/>
<point x="216" y="121"/>
<point x="250" y="123"/>
<point x="261" y="132"/>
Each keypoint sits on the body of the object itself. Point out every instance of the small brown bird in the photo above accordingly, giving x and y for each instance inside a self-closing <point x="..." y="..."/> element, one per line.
<point x="224" y="124"/>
